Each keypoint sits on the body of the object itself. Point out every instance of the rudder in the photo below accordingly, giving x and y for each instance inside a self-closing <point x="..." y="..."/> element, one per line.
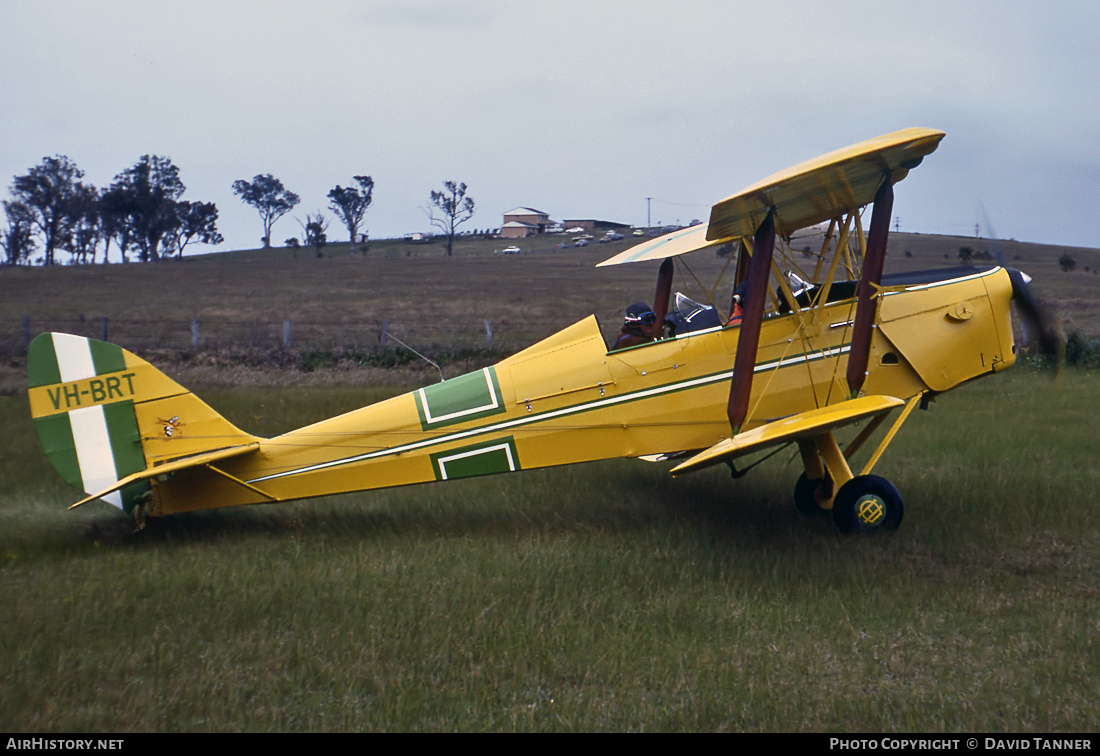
<point x="103" y="414"/>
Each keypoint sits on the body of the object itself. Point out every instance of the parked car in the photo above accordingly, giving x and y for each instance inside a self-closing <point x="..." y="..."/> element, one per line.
<point x="581" y="243"/>
<point x="513" y="250"/>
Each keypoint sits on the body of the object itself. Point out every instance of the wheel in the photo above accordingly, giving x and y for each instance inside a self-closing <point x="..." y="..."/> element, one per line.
<point x="867" y="504"/>
<point x="809" y="493"/>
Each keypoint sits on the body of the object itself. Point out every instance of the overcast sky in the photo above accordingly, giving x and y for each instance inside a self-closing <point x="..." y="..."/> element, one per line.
<point x="579" y="109"/>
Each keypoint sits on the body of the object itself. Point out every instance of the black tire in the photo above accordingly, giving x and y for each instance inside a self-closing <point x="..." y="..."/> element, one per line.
<point x="867" y="504"/>
<point x="806" y="493"/>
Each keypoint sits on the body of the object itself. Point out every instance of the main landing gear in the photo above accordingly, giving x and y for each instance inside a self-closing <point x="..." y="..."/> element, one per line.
<point x="865" y="504"/>
<point x="861" y="503"/>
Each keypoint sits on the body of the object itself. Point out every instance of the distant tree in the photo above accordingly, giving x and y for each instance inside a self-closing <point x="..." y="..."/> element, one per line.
<point x="456" y="209"/>
<point x="314" y="232"/>
<point x="270" y="198"/>
<point x="1066" y="262"/>
<point x="146" y="195"/>
<point x="49" y="192"/>
<point x="350" y="205"/>
<point x="18" y="238"/>
<point x="966" y="255"/>
<point x="113" y="221"/>
<point x="196" y="221"/>
<point x="87" y="229"/>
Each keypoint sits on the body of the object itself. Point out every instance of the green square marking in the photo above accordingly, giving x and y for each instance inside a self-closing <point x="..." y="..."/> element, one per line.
<point x="468" y="397"/>
<point x="486" y="458"/>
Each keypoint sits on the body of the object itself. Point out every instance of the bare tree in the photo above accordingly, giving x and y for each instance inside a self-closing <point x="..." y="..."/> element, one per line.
<point x="313" y="232"/>
<point x="270" y="198"/>
<point x="350" y="205"/>
<point x="456" y="208"/>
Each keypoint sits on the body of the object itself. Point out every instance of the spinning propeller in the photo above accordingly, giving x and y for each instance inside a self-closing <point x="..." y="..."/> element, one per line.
<point x="1041" y="324"/>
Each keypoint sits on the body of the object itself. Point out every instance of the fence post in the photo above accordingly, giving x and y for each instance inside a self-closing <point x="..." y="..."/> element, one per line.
<point x="194" y="333"/>
<point x="488" y="335"/>
<point x="385" y="337"/>
<point x="286" y="334"/>
<point x="103" y="328"/>
<point x="26" y="331"/>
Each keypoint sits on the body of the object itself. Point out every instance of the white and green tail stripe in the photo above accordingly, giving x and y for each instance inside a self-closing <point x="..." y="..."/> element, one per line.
<point x="92" y="447"/>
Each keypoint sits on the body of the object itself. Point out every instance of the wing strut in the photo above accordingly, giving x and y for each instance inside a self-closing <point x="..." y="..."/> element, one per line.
<point x="760" y="266"/>
<point x="868" y="286"/>
<point x="661" y="298"/>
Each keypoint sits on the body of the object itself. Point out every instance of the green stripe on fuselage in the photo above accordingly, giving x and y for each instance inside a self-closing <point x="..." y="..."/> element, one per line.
<point x="582" y="407"/>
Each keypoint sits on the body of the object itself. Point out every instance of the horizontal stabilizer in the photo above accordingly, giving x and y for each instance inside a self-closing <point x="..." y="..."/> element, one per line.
<point x="194" y="460"/>
<point x="793" y="428"/>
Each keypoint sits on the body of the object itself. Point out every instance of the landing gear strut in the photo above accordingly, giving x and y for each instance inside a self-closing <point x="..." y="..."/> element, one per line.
<point x="860" y="503"/>
<point x="811" y="495"/>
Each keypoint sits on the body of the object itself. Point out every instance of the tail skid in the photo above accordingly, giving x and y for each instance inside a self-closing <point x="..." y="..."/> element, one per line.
<point x="109" y="421"/>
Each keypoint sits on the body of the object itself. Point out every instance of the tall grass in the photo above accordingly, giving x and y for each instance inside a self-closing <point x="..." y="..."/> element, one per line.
<point x="600" y="596"/>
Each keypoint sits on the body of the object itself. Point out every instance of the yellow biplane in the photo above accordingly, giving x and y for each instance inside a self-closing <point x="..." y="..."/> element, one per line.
<point x="799" y="354"/>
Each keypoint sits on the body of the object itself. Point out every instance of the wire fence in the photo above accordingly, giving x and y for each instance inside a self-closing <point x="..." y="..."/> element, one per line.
<point x="207" y="334"/>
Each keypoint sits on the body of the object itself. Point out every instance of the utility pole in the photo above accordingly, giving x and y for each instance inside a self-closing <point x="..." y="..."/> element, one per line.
<point x="648" y="222"/>
<point x="897" y="223"/>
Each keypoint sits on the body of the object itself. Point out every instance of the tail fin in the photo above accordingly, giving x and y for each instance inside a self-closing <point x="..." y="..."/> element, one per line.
<point x="106" y="417"/>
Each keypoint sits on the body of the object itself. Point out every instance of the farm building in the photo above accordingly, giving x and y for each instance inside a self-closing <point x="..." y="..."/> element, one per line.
<point x="591" y="223"/>
<point x="523" y="222"/>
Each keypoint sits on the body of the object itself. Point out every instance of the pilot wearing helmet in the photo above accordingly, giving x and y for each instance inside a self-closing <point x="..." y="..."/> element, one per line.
<point x="639" y="324"/>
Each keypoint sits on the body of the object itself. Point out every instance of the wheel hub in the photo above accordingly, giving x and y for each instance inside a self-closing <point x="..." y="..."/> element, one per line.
<point x="870" y="509"/>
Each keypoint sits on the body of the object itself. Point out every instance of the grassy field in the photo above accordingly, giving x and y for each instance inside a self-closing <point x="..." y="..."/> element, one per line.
<point x="596" y="597"/>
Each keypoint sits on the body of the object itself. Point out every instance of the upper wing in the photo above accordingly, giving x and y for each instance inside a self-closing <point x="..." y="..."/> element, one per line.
<point x="809" y="193"/>
<point x="823" y="188"/>
<point x="670" y="245"/>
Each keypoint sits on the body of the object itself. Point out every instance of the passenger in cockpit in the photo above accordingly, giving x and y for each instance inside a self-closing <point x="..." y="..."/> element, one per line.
<point x="737" y="303"/>
<point x="637" y="326"/>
